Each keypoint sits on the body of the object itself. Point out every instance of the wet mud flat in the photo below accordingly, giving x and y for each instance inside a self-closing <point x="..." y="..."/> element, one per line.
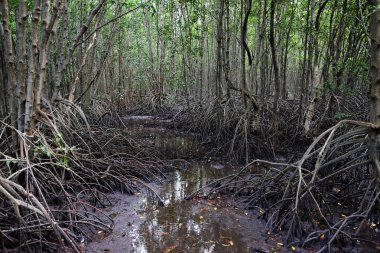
<point x="196" y="225"/>
<point x="206" y="224"/>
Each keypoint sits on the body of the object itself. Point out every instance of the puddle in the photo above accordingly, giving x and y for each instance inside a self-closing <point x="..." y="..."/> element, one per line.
<point x="198" y="225"/>
<point x="168" y="142"/>
<point x="204" y="225"/>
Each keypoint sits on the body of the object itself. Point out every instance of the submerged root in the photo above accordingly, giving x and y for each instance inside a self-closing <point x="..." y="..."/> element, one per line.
<point x="330" y="197"/>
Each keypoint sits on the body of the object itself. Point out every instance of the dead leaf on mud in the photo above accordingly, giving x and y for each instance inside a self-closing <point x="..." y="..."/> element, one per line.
<point x="228" y="244"/>
<point x="170" y="248"/>
<point x="82" y="247"/>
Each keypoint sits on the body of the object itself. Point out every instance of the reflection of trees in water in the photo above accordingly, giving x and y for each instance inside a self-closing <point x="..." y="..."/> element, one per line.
<point x="180" y="226"/>
<point x="176" y="226"/>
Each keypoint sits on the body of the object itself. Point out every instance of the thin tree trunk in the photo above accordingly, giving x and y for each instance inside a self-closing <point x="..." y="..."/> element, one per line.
<point x="3" y="81"/>
<point x="315" y="73"/>
<point x="219" y="56"/>
<point x="374" y="94"/>
<point x="21" y="65"/>
<point x="201" y="54"/>
<point x="33" y="56"/>
<point x="245" y="12"/>
<point x="150" y="45"/>
<point x="303" y="76"/>
<point x="10" y="62"/>
<point x="275" y="65"/>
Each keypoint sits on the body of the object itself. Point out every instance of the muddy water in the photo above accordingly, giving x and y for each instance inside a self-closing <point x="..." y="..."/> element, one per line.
<point x="200" y="225"/>
<point x="204" y="225"/>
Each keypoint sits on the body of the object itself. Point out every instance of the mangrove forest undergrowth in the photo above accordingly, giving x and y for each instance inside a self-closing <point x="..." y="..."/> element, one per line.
<point x="254" y="80"/>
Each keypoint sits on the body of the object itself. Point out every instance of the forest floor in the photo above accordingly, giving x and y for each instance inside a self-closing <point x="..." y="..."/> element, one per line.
<point x="214" y="223"/>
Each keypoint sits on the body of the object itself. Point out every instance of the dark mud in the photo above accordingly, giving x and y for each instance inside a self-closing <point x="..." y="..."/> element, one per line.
<point x="206" y="225"/>
<point x="197" y="225"/>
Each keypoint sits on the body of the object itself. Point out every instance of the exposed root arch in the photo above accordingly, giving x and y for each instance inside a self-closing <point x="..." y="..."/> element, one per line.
<point x="51" y="196"/>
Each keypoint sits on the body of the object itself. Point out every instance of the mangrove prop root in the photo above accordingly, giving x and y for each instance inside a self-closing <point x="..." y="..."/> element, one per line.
<point x="327" y="197"/>
<point x="51" y="198"/>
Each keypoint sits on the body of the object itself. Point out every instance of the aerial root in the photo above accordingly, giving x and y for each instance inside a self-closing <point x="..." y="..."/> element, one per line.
<point x="330" y="196"/>
<point x="52" y="197"/>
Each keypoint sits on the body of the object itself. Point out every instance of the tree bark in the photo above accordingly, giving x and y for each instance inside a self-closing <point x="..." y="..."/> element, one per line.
<point x="315" y="72"/>
<point x="219" y="56"/>
<point x="245" y="12"/>
<point x="275" y="64"/>
<point x="374" y="94"/>
<point x="10" y="62"/>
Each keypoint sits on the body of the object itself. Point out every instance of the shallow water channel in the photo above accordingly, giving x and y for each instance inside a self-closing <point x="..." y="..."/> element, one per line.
<point x="204" y="225"/>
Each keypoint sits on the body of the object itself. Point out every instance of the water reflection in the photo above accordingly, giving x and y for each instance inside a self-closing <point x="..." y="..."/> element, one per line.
<point x="196" y="226"/>
<point x="169" y="143"/>
<point x="189" y="226"/>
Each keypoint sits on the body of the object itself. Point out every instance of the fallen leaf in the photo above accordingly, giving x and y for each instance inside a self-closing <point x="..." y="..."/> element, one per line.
<point x="294" y="248"/>
<point x="82" y="247"/>
<point x="228" y="244"/>
<point x="170" y="248"/>
<point x="201" y="220"/>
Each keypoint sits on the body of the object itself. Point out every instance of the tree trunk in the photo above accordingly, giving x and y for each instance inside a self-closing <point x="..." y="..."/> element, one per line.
<point x="150" y="44"/>
<point x="303" y="88"/>
<point x="219" y="39"/>
<point x="316" y="76"/>
<point x="245" y="12"/>
<point x="374" y="94"/>
<point x="10" y="62"/>
<point x="275" y="65"/>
